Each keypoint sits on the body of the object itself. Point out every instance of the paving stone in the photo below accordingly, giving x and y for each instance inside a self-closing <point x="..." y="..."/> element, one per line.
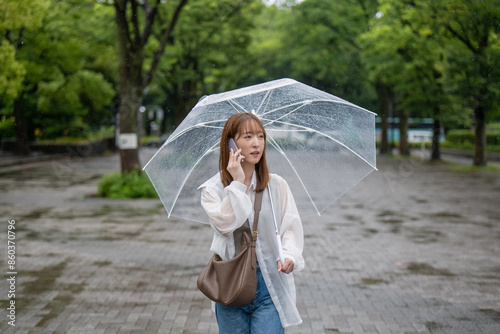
<point x="397" y="256"/>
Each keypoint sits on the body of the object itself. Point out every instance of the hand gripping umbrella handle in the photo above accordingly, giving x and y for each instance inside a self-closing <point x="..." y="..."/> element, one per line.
<point x="278" y="238"/>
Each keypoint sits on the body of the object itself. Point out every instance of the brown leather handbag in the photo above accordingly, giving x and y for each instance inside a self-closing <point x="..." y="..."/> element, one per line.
<point x="234" y="282"/>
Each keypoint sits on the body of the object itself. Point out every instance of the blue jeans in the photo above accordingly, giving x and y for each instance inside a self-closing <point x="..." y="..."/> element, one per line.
<point x="258" y="317"/>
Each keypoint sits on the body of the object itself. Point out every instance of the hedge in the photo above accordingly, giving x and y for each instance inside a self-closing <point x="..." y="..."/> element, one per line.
<point x="460" y="137"/>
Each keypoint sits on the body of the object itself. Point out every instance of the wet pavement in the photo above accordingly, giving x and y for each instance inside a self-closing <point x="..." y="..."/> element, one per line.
<point x="413" y="248"/>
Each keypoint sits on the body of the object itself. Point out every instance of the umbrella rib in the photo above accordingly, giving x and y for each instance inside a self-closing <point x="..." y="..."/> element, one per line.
<point x="198" y="125"/>
<point x="187" y="176"/>
<point x="322" y="100"/>
<point x="331" y="138"/>
<point x="273" y="143"/>
<point x="268" y="93"/>
<point x="239" y="105"/>
<point x="292" y="111"/>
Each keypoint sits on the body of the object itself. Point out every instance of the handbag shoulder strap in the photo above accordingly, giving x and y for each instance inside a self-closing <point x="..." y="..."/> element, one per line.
<point x="256" y="207"/>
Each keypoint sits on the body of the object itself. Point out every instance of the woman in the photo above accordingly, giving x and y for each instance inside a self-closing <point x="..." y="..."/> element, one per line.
<point x="228" y="200"/>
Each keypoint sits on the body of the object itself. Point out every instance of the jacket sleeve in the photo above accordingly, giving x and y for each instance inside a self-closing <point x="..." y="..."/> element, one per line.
<point x="292" y="233"/>
<point x="229" y="210"/>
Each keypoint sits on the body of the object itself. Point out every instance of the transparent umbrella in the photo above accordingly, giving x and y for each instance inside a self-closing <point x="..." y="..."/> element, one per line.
<point x="320" y="144"/>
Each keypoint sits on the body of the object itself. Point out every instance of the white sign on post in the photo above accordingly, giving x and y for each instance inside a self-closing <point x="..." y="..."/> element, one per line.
<point x="128" y="141"/>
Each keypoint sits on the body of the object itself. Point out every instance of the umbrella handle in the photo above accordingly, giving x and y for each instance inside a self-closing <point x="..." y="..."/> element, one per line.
<point x="280" y="249"/>
<point x="278" y="238"/>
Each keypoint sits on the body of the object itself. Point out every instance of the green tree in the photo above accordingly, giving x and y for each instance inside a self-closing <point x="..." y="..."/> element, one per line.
<point x="404" y="53"/>
<point x="321" y="46"/>
<point x="63" y="85"/>
<point x="11" y="73"/>
<point x="17" y="18"/>
<point x="209" y="46"/>
<point x="382" y="62"/>
<point x="472" y="65"/>
<point x="143" y="30"/>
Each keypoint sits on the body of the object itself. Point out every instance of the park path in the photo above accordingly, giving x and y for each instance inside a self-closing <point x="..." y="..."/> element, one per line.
<point x="413" y="248"/>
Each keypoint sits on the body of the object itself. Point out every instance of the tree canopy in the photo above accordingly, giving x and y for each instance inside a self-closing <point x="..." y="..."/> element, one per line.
<point x="70" y="67"/>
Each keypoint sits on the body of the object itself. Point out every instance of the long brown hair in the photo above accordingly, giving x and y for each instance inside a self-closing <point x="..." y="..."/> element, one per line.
<point x="234" y="127"/>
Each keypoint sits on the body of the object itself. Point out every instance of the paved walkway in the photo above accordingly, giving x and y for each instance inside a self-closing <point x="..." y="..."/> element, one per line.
<point x="414" y="248"/>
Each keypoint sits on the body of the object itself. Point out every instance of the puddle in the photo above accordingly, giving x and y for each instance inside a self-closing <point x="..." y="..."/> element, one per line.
<point x="373" y="281"/>
<point x="57" y="305"/>
<point x="492" y="314"/>
<point x="44" y="279"/>
<point x="102" y="263"/>
<point x="35" y="214"/>
<point x="367" y="232"/>
<point x="387" y="213"/>
<point x="444" y="214"/>
<point x="420" y="268"/>
<point x="194" y="227"/>
<point x="392" y="221"/>
<point x="426" y="236"/>
<point x="354" y="218"/>
<point x="433" y="326"/>
<point x="44" y="282"/>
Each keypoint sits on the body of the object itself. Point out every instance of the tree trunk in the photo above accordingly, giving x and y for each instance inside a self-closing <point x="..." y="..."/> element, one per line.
<point x="21" y="126"/>
<point x="129" y="103"/>
<point x="480" y="137"/>
<point x="186" y="99"/>
<point x="383" y="106"/>
<point x="436" y="134"/>
<point x="130" y="43"/>
<point x="404" y="146"/>
<point x="129" y="72"/>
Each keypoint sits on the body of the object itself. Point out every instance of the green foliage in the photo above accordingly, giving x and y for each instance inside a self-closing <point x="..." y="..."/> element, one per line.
<point x="11" y="73"/>
<point x="464" y="139"/>
<point x="61" y="74"/>
<point x="208" y="55"/>
<point x="85" y="138"/>
<point x="7" y="127"/>
<point x="467" y="136"/>
<point x="16" y="14"/>
<point x="315" y="42"/>
<point x="460" y="136"/>
<point x="131" y="185"/>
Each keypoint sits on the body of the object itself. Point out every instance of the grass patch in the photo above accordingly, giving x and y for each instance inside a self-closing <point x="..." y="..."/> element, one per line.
<point x="131" y="185"/>
<point x="471" y="168"/>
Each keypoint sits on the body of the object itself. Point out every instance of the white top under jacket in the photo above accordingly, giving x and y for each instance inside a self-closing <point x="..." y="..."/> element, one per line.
<point x="228" y="208"/>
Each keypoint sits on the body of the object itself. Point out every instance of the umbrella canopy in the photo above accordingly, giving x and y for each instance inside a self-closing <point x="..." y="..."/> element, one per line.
<point x="320" y="144"/>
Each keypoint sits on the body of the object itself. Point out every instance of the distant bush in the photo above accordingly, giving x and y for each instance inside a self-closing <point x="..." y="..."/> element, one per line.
<point x="7" y="127"/>
<point x="464" y="139"/>
<point x="131" y="185"/>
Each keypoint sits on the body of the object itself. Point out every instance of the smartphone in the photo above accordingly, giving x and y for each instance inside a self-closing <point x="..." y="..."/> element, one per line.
<point x="232" y="145"/>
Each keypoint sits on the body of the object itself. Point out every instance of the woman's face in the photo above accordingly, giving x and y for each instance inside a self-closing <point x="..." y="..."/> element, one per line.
<point x="251" y="141"/>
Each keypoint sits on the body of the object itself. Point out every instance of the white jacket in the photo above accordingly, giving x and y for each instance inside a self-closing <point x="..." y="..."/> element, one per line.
<point x="228" y="208"/>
